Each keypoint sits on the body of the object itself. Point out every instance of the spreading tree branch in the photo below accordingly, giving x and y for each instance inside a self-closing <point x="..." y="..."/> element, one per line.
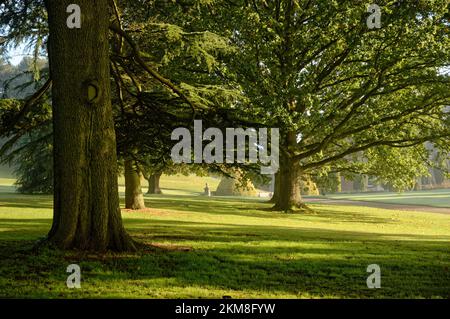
<point x="166" y="82"/>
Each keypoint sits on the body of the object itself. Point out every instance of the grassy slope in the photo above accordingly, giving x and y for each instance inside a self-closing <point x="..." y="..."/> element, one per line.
<point x="437" y="198"/>
<point x="211" y="247"/>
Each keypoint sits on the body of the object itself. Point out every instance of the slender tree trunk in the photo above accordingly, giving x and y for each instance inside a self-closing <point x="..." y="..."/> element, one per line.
<point x="134" y="199"/>
<point x="153" y="184"/>
<point x="86" y="201"/>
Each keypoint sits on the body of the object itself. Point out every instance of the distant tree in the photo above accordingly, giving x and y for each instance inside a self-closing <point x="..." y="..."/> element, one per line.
<point x="338" y="90"/>
<point x="134" y="199"/>
<point x="31" y="156"/>
<point x="33" y="163"/>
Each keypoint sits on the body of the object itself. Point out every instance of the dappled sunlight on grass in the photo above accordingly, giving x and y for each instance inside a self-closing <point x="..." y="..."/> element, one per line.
<point x="179" y="184"/>
<point x="211" y="247"/>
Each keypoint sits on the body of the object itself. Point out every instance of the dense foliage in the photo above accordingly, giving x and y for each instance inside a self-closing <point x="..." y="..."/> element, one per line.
<point x="347" y="98"/>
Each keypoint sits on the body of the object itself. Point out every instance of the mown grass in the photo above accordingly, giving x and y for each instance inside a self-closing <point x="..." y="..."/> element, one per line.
<point x="213" y="247"/>
<point x="179" y="184"/>
<point x="436" y="198"/>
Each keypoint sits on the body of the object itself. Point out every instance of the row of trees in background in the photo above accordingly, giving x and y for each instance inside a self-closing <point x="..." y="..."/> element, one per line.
<point x="346" y="98"/>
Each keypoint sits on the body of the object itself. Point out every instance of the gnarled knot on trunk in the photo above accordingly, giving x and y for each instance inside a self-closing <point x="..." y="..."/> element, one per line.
<point x="92" y="92"/>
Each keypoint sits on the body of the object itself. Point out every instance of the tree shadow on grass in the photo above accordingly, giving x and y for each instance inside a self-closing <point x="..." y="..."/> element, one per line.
<point x="251" y="208"/>
<point x="286" y="261"/>
<point x="26" y="201"/>
<point x="231" y="257"/>
<point x="24" y="229"/>
<point x="240" y="260"/>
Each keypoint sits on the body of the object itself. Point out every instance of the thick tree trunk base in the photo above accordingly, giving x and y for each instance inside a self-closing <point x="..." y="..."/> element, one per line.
<point x="122" y="243"/>
<point x="154" y="192"/>
<point x="287" y="196"/>
<point x="83" y="234"/>
<point x="293" y="208"/>
<point x="127" y="245"/>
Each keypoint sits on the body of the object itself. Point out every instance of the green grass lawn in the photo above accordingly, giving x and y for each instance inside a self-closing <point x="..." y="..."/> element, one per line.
<point x="179" y="184"/>
<point x="437" y="198"/>
<point x="212" y="247"/>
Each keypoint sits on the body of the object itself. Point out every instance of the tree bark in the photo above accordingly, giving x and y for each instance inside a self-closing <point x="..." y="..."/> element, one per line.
<point x="134" y="199"/>
<point x="288" y="197"/>
<point x="153" y="184"/>
<point x="276" y="189"/>
<point x="86" y="201"/>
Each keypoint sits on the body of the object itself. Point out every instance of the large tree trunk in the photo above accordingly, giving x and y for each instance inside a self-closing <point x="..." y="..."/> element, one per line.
<point x="153" y="184"/>
<point x="289" y="196"/>
<point x="288" y="191"/>
<point x="86" y="201"/>
<point x="276" y="189"/>
<point x="134" y="199"/>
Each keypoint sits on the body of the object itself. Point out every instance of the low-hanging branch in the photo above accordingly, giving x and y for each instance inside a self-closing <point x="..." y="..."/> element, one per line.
<point x="392" y="143"/>
<point x="166" y="82"/>
<point x="26" y="106"/>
